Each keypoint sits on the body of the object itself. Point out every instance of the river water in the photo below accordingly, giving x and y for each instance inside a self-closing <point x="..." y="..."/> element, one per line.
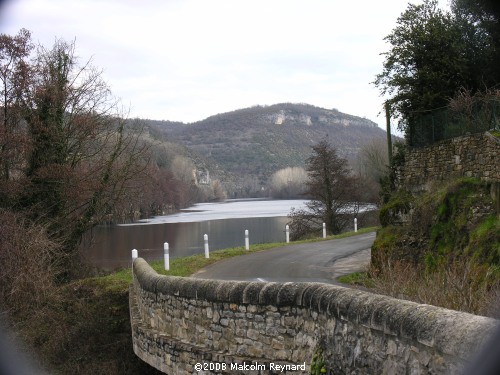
<point x="224" y="223"/>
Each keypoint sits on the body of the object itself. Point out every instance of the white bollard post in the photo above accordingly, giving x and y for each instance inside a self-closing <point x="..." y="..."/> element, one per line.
<point x="247" y="241"/>
<point x="355" y="225"/>
<point x="135" y="255"/>
<point x="166" y="256"/>
<point x="287" y="231"/>
<point x="207" y="253"/>
<point x="324" y="230"/>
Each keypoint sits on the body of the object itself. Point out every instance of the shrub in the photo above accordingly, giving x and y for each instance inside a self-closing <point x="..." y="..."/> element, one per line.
<point x="465" y="286"/>
<point x="398" y="205"/>
<point x="27" y="265"/>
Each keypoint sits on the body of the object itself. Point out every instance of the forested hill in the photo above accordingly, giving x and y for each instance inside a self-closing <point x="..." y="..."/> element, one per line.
<point x="253" y="143"/>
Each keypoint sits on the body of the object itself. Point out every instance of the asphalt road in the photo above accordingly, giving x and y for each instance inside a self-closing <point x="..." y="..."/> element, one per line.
<point x="312" y="262"/>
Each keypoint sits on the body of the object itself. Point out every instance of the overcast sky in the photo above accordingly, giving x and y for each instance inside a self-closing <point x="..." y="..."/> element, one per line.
<point x="185" y="60"/>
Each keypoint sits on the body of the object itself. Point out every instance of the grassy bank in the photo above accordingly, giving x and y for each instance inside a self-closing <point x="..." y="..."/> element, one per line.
<point x="186" y="266"/>
<point x="85" y="329"/>
<point x="440" y="247"/>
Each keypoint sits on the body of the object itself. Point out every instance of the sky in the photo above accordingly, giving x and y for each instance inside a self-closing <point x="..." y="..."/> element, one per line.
<point x="185" y="60"/>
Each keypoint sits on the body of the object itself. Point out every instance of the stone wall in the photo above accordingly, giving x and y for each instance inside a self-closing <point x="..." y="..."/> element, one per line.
<point x="229" y="326"/>
<point x="474" y="155"/>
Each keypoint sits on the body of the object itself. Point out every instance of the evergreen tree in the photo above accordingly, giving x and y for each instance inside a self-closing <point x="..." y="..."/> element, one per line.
<point x="433" y="55"/>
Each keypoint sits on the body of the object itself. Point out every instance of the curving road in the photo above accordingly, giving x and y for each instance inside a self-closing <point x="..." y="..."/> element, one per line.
<point x="322" y="261"/>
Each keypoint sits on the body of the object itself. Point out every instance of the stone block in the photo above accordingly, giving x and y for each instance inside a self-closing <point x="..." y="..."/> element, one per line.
<point x="317" y="295"/>
<point x="290" y="294"/>
<point x="236" y="292"/>
<point x="253" y="334"/>
<point x="308" y="294"/>
<point x="251" y="293"/>
<point x="206" y="289"/>
<point x="223" y="291"/>
<point x="269" y="294"/>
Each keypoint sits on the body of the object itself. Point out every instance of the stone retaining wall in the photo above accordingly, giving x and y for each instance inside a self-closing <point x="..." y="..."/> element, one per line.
<point x="475" y="155"/>
<point x="179" y="322"/>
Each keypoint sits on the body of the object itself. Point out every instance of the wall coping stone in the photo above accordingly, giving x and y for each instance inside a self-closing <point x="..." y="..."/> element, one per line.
<point x="450" y="332"/>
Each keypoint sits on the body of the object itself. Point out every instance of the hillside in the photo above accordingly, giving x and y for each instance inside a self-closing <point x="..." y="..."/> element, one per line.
<point x="252" y="143"/>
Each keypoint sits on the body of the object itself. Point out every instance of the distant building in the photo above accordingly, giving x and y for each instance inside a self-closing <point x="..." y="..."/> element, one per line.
<point x="203" y="177"/>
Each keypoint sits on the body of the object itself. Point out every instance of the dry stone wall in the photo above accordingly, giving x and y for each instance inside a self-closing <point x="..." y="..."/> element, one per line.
<point x="475" y="155"/>
<point x="231" y="327"/>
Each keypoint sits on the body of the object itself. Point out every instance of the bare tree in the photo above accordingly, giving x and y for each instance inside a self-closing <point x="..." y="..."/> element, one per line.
<point x="219" y="193"/>
<point x="288" y="182"/>
<point x="372" y="166"/>
<point x="373" y="160"/>
<point x="14" y="70"/>
<point x="330" y="186"/>
<point x="81" y="158"/>
<point x="184" y="169"/>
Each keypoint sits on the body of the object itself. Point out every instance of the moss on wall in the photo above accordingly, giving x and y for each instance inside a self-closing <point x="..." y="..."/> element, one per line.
<point x="450" y="221"/>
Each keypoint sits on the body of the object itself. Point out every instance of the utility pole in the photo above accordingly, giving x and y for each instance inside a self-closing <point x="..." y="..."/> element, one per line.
<point x="388" y="125"/>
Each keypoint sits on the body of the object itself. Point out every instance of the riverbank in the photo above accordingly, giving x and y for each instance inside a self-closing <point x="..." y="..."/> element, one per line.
<point x="224" y="223"/>
<point x="87" y="329"/>
<point x="187" y="266"/>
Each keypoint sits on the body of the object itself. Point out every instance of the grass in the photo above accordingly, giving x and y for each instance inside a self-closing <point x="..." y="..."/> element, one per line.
<point x="358" y="279"/>
<point x="187" y="266"/>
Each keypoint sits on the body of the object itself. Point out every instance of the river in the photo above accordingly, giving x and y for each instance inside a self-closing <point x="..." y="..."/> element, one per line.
<point x="224" y="223"/>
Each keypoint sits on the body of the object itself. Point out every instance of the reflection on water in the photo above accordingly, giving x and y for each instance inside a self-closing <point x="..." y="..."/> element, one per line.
<point x="225" y="223"/>
<point x="113" y="244"/>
